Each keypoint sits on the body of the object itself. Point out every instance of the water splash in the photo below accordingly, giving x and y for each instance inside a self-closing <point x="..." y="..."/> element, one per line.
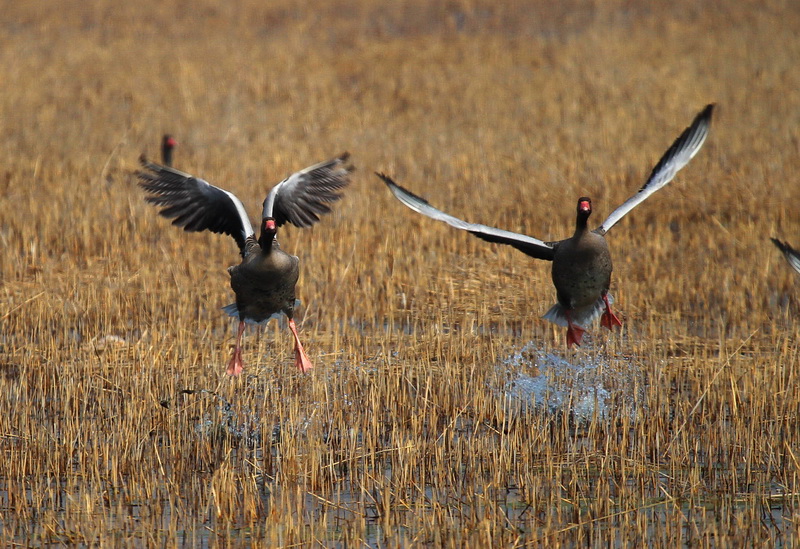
<point x="590" y="383"/>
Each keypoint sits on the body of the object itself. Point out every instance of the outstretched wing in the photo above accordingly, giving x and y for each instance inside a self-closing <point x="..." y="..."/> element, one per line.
<point x="194" y="204"/>
<point x="303" y="196"/>
<point x="791" y="255"/>
<point x="526" y="244"/>
<point x="677" y="156"/>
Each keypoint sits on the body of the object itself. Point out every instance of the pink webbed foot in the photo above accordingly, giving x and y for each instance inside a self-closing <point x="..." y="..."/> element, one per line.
<point x="301" y="360"/>
<point x="574" y="332"/>
<point x="609" y="319"/>
<point x="574" y="335"/>
<point x="235" y="365"/>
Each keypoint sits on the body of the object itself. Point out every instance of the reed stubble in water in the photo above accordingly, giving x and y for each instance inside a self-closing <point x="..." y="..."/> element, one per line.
<point x="120" y="427"/>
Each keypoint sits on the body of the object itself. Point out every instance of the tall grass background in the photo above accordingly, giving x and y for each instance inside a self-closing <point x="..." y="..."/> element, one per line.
<point x="120" y="426"/>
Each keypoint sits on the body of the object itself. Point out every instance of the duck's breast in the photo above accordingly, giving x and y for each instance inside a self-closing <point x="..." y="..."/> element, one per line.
<point x="265" y="284"/>
<point x="581" y="270"/>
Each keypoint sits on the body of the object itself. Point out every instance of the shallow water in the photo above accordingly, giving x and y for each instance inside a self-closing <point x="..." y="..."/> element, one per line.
<point x="584" y="385"/>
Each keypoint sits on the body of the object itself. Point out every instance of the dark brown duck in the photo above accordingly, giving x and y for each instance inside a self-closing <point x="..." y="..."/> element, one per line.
<point x="264" y="282"/>
<point x="581" y="270"/>
<point x="582" y="275"/>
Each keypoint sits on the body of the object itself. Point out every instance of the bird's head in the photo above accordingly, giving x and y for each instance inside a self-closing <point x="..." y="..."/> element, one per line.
<point x="268" y="231"/>
<point x="168" y="142"/>
<point x="584" y="211"/>
<point x="584" y="206"/>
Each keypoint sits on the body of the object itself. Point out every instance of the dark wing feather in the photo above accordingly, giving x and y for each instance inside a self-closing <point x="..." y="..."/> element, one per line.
<point x="791" y="255"/>
<point x="194" y="204"/>
<point x="303" y="196"/>
<point x="526" y="244"/>
<point x="677" y="156"/>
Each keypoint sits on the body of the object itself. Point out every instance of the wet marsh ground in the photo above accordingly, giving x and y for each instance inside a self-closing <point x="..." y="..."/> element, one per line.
<point x="442" y="411"/>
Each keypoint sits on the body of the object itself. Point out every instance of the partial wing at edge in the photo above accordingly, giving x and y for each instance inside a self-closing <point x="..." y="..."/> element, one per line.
<point x="791" y="255"/>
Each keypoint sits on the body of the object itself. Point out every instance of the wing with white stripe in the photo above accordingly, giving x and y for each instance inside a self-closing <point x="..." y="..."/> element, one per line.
<point x="677" y="156"/>
<point x="303" y="196"/>
<point x="194" y="204"/>
<point x="526" y="244"/>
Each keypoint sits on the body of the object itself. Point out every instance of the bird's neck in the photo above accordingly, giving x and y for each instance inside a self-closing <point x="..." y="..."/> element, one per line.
<point x="581" y="225"/>
<point x="268" y="242"/>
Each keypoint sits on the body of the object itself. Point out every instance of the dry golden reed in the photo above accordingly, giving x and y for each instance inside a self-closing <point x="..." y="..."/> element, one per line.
<point x="417" y="426"/>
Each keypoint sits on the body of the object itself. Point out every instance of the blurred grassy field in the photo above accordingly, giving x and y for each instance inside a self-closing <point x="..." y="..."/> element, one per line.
<point x="121" y="427"/>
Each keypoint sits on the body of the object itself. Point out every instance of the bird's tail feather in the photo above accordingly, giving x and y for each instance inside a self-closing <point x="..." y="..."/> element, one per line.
<point x="557" y="314"/>
<point x="233" y="310"/>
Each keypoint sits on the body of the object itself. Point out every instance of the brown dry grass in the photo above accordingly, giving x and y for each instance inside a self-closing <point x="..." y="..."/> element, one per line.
<point x="499" y="114"/>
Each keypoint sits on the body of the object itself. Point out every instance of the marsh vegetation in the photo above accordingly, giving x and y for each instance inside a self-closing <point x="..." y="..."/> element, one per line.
<point x="443" y="411"/>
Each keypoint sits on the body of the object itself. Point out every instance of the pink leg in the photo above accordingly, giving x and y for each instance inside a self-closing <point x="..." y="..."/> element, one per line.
<point x="235" y="365"/>
<point x="609" y="319"/>
<point x="300" y="358"/>
<point x="574" y="332"/>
